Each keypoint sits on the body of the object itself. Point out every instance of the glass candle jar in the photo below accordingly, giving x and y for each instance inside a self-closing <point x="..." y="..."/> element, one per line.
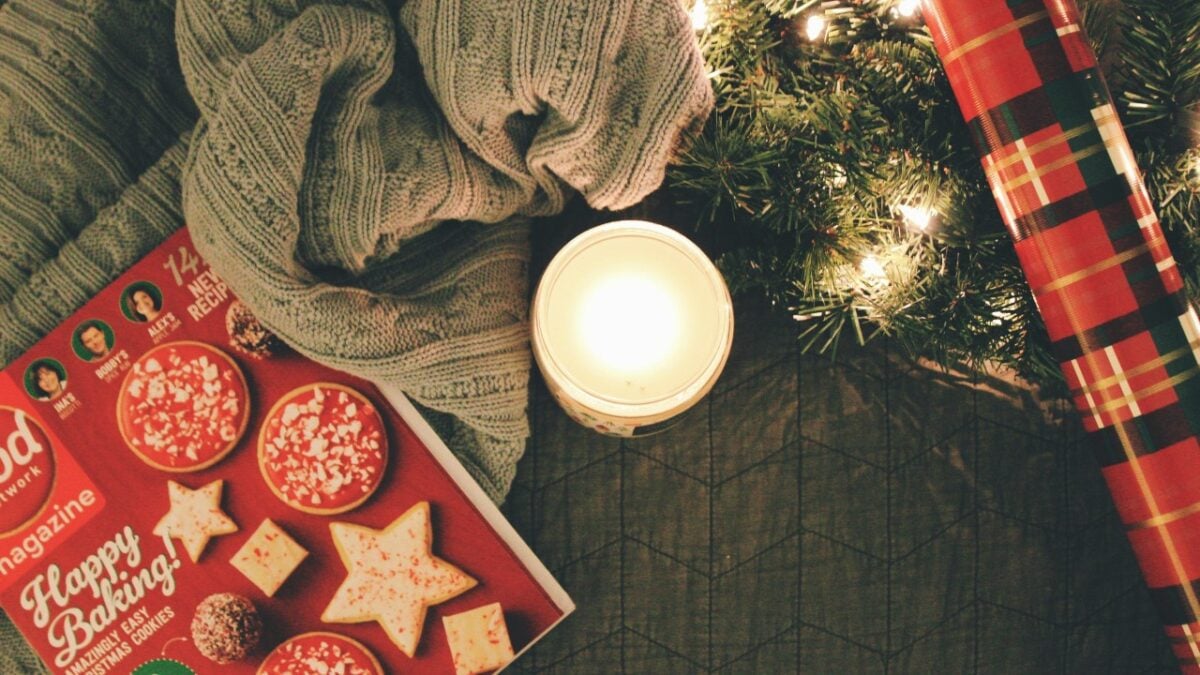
<point x="631" y="326"/>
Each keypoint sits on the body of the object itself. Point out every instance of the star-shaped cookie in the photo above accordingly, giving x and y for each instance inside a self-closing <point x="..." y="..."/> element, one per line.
<point x="195" y="516"/>
<point x="393" y="577"/>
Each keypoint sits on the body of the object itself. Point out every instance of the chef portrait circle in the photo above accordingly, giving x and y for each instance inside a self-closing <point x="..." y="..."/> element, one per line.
<point x="92" y="340"/>
<point x="46" y="379"/>
<point x="141" y="301"/>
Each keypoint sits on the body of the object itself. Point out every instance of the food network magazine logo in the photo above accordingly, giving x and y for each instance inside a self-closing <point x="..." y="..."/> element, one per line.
<point x="28" y="470"/>
<point x="45" y="496"/>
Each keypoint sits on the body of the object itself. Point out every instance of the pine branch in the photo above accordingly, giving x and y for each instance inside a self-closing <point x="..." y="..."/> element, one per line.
<point x="1160" y="69"/>
<point x="820" y="147"/>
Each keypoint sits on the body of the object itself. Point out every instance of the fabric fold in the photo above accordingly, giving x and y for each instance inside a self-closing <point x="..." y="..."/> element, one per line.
<point x="336" y="136"/>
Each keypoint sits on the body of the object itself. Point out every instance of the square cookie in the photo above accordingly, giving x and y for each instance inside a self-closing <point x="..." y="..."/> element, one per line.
<point x="268" y="557"/>
<point x="478" y="639"/>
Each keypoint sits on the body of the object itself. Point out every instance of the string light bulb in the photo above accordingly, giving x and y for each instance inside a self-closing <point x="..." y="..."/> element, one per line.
<point x="837" y="177"/>
<point x="908" y="8"/>
<point x="1006" y="313"/>
<point x="872" y="269"/>
<point x="814" y="28"/>
<point x="917" y="218"/>
<point x="699" y="15"/>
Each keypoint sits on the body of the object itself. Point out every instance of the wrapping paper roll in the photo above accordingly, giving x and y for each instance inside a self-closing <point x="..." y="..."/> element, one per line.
<point x="1093" y="251"/>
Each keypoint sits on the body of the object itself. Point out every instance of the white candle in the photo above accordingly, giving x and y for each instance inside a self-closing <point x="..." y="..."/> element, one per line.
<point x="631" y="326"/>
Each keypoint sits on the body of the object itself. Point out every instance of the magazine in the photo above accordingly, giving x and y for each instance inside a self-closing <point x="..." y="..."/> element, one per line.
<point x="180" y="492"/>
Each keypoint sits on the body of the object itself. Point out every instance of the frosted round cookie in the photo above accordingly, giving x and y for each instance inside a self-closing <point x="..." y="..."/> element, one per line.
<point x="323" y="448"/>
<point x="183" y="406"/>
<point x="320" y="652"/>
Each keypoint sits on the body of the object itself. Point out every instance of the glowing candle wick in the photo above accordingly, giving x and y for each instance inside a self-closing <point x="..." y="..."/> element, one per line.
<point x="629" y="323"/>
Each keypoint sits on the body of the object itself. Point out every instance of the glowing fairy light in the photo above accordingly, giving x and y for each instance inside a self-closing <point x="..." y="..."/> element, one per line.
<point x="838" y="178"/>
<point x="699" y="15"/>
<point x="872" y="270"/>
<point x="814" y="28"/>
<point x="908" y="8"/>
<point x="916" y="218"/>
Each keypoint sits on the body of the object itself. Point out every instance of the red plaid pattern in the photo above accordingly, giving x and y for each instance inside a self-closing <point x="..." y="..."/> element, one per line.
<point x="1093" y="251"/>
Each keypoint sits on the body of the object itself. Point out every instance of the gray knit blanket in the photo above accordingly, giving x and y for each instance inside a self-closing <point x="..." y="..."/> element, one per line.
<point x="357" y="173"/>
<point x="360" y="173"/>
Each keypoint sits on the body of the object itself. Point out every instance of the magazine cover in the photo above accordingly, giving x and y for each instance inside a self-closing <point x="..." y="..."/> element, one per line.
<point x="181" y="493"/>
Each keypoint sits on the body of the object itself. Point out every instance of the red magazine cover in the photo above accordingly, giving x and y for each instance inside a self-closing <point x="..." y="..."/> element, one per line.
<point x="181" y="493"/>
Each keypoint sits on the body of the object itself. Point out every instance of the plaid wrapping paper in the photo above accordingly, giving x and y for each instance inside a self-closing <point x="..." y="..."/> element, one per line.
<point x="1093" y="251"/>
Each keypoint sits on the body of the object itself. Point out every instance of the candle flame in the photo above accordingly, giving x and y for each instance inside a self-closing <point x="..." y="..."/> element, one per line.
<point x="630" y="323"/>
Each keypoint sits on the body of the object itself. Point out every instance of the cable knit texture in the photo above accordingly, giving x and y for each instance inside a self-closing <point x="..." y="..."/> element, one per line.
<point x="335" y="136"/>
<point x="359" y="172"/>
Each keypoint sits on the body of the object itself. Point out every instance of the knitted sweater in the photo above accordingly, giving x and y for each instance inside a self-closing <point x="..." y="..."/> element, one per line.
<point x="357" y="172"/>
